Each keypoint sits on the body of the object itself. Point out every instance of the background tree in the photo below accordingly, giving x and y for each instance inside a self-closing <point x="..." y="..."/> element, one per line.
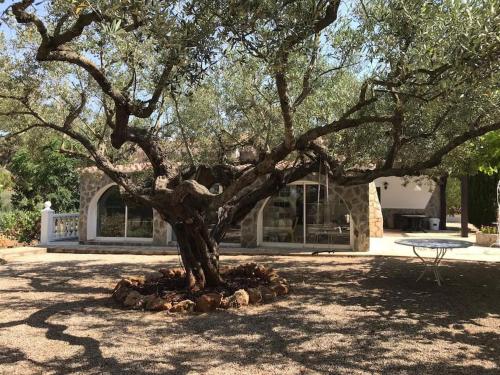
<point x="5" y="189"/>
<point x="367" y="89"/>
<point x="44" y="175"/>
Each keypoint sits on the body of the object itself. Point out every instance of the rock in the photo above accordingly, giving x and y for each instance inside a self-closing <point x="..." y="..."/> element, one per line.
<point x="238" y="299"/>
<point x="254" y="296"/>
<point x="148" y="298"/>
<point x="183" y="306"/>
<point x="208" y="302"/>
<point x="272" y="275"/>
<point x="153" y="277"/>
<point x="155" y="303"/>
<point x="172" y="273"/>
<point x="267" y="293"/>
<point x="225" y="303"/>
<point x="122" y="289"/>
<point x="136" y="280"/>
<point x="134" y="300"/>
<point x="241" y="296"/>
<point x="248" y="269"/>
<point x="261" y="272"/>
<point x="167" y="273"/>
<point x="121" y="293"/>
<point x="279" y="288"/>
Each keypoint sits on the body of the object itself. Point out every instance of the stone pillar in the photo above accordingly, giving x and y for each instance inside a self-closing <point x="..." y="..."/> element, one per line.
<point x="357" y="200"/>
<point x="375" y="214"/>
<point x="47" y="224"/>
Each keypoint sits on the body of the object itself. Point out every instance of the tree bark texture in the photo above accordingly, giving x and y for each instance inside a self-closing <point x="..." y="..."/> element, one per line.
<point x="199" y="253"/>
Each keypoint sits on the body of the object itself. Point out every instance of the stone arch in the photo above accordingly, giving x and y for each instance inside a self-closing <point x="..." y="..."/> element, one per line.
<point x="92" y="185"/>
<point x="92" y="211"/>
<point x="252" y="225"/>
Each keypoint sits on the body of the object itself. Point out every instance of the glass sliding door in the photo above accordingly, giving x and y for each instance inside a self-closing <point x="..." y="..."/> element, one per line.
<point x="305" y="213"/>
<point x="283" y="216"/>
<point x="115" y="219"/>
<point x="327" y="218"/>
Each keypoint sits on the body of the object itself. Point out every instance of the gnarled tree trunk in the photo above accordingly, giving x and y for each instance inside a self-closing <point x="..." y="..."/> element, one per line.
<point x="199" y="252"/>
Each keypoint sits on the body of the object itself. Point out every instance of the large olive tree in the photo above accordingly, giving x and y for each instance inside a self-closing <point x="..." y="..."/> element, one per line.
<point x="364" y="88"/>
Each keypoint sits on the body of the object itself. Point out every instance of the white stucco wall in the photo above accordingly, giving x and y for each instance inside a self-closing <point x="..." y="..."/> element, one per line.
<point x="415" y="195"/>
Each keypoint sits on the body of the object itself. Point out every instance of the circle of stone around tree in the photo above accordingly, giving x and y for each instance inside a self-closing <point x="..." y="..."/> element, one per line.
<point x="164" y="290"/>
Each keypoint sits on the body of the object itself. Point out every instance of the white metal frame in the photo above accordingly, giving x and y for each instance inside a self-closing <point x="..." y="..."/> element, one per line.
<point x="304" y="244"/>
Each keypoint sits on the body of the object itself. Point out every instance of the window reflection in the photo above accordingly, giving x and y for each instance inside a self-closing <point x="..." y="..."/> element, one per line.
<point x="139" y="221"/>
<point x="111" y="214"/>
<point x="115" y="219"/>
<point x="327" y="221"/>
<point x="283" y="216"/>
<point x="326" y="216"/>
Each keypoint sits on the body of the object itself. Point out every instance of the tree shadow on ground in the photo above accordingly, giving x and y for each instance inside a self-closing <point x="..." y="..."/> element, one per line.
<point x="347" y="315"/>
<point x="387" y="306"/>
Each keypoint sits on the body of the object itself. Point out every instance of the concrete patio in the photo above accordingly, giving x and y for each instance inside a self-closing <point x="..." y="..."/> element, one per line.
<point x="384" y="246"/>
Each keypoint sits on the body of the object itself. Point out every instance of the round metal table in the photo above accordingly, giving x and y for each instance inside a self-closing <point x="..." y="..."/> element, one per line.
<point x="440" y="245"/>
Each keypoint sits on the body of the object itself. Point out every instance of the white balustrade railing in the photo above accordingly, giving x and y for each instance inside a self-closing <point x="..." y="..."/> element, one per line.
<point x="57" y="227"/>
<point x="65" y="226"/>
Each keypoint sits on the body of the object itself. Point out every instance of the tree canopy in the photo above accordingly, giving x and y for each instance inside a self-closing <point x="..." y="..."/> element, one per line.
<point x="251" y="94"/>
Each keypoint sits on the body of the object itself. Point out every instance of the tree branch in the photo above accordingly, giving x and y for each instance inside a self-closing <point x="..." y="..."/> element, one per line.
<point x="366" y="176"/>
<point x="286" y="110"/>
<point x="306" y="80"/>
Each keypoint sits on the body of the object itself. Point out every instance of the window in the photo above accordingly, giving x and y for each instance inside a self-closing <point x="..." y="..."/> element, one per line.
<point x="116" y="219"/>
<point x="305" y="213"/>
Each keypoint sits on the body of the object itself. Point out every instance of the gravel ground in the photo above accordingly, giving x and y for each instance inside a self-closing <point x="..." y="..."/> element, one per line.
<point x="344" y="315"/>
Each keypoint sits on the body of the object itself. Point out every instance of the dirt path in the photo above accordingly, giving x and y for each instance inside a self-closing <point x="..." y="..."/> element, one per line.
<point x="345" y="315"/>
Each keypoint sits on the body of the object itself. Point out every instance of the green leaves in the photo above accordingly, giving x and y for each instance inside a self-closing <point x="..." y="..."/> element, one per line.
<point x="432" y="63"/>
<point x="44" y="175"/>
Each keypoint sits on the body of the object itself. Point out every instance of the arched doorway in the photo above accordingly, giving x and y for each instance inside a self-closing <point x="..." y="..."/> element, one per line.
<point x="117" y="220"/>
<point x="305" y="213"/>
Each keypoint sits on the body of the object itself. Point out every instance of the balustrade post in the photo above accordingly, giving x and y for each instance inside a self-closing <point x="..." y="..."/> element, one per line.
<point x="47" y="224"/>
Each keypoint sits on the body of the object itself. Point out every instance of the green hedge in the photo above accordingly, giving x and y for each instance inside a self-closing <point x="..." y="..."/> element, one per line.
<point x="22" y="226"/>
<point x="483" y="199"/>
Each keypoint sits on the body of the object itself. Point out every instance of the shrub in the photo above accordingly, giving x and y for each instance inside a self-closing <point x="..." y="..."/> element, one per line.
<point x="487" y="229"/>
<point x="7" y="242"/>
<point x="22" y="226"/>
<point x="483" y="199"/>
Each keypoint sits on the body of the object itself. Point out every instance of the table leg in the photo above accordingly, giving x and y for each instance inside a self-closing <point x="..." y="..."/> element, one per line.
<point x="426" y="264"/>
<point x="440" y="253"/>
<point x="439" y="256"/>
<point x="435" y="264"/>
